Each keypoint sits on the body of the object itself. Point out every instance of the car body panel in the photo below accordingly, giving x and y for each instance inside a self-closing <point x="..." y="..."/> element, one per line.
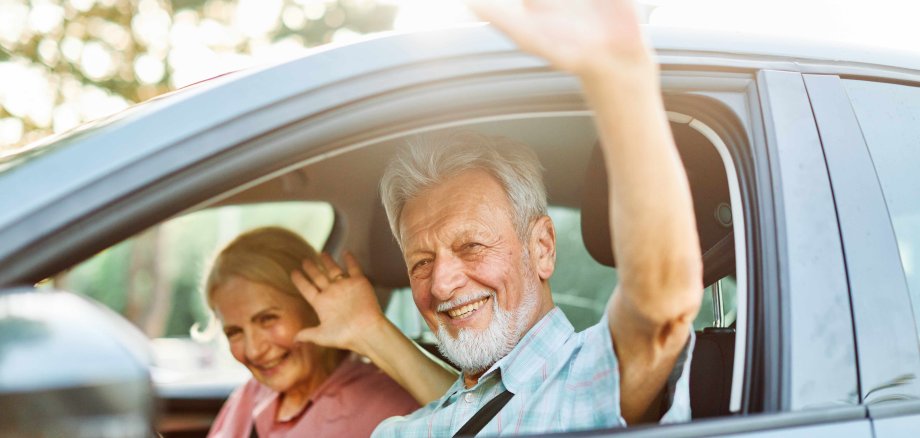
<point x="896" y="420"/>
<point x="814" y="292"/>
<point x="887" y="343"/>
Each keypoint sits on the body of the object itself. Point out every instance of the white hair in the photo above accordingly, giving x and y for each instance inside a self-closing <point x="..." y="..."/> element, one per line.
<point x="428" y="160"/>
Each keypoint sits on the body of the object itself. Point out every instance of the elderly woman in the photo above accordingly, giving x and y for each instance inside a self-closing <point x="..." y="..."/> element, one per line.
<point x="297" y="389"/>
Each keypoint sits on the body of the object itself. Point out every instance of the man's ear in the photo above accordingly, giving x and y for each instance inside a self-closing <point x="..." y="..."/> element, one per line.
<point x="543" y="247"/>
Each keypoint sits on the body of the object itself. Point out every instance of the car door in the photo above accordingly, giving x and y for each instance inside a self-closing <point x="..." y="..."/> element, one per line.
<point x="871" y="138"/>
<point x="803" y="348"/>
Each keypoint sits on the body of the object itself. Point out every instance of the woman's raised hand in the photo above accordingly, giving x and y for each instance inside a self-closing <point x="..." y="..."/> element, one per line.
<point x="344" y="301"/>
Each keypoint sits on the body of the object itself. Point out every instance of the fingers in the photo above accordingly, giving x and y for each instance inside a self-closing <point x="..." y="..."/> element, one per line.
<point x="351" y="263"/>
<point x="306" y="288"/>
<point x="323" y="275"/>
<point x="509" y="17"/>
<point x="309" y="334"/>
<point x="332" y="268"/>
<point x="315" y="274"/>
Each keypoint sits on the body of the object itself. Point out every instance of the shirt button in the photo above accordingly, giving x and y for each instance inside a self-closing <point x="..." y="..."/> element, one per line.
<point x="469" y="397"/>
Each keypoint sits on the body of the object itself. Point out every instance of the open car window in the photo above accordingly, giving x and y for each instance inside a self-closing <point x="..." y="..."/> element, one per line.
<point x="153" y="279"/>
<point x="581" y="287"/>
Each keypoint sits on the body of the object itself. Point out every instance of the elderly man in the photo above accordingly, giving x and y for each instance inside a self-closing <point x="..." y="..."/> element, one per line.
<point x="469" y="213"/>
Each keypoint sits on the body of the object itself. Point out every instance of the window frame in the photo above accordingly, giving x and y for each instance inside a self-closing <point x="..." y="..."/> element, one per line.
<point x="812" y="275"/>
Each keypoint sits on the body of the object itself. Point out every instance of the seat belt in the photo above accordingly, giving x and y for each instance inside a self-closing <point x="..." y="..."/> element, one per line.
<point x="484" y="415"/>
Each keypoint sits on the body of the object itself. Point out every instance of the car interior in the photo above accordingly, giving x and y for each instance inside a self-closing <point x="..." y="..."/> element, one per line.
<point x="566" y="142"/>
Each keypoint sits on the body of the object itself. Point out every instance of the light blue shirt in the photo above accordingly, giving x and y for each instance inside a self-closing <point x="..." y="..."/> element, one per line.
<point x="561" y="381"/>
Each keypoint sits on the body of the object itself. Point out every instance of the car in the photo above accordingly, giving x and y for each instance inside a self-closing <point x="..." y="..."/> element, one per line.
<point x="801" y="158"/>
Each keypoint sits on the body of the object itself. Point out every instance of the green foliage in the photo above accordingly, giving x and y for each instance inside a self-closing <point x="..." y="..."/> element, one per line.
<point x="82" y="48"/>
<point x="177" y="253"/>
<point x="104" y="277"/>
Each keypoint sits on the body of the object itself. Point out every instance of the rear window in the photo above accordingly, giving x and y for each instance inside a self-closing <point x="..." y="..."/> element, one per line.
<point x="889" y="116"/>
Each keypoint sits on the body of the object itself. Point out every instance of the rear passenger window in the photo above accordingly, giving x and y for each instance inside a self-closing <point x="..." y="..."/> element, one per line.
<point x="889" y="116"/>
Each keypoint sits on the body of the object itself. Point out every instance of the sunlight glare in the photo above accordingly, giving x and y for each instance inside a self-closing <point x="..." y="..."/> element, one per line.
<point x="45" y="16"/>
<point x="13" y="19"/>
<point x="888" y="23"/>
<point x="427" y="14"/>
<point x="257" y="17"/>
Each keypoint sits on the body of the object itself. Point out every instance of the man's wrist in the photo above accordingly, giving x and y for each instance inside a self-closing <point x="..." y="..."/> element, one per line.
<point x="613" y="77"/>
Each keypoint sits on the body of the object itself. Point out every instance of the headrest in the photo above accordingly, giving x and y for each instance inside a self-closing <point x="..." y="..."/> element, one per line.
<point x="709" y="188"/>
<point x="386" y="268"/>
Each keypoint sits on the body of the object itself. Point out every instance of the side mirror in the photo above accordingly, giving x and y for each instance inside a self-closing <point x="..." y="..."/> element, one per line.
<point x="71" y="367"/>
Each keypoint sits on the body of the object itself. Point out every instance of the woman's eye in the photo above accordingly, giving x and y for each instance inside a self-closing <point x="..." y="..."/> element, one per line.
<point x="231" y="333"/>
<point x="267" y="318"/>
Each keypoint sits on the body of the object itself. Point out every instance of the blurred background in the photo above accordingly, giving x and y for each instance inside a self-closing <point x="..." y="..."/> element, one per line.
<point x="63" y="62"/>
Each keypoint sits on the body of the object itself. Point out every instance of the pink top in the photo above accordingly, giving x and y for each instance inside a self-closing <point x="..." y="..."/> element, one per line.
<point x="350" y="403"/>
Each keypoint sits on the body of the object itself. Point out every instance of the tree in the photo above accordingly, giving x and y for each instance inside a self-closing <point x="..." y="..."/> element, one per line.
<point x="77" y="60"/>
<point x="63" y="62"/>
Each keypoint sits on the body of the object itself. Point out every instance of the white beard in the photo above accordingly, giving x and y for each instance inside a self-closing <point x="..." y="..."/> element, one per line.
<point x="476" y="350"/>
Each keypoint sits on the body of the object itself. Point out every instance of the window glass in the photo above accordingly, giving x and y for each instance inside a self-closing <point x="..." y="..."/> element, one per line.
<point x="581" y="286"/>
<point x="153" y="278"/>
<point x="706" y="317"/>
<point x="889" y="117"/>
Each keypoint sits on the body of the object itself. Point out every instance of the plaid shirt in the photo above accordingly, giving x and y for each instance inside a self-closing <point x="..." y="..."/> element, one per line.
<point x="561" y="381"/>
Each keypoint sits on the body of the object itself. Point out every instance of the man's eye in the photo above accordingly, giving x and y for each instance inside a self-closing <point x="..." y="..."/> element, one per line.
<point x="421" y="268"/>
<point x="232" y="333"/>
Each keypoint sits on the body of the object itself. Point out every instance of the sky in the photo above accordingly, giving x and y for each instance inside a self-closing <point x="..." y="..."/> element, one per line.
<point x="193" y="47"/>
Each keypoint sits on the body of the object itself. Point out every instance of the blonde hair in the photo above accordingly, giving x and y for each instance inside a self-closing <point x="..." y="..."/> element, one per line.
<point x="265" y="255"/>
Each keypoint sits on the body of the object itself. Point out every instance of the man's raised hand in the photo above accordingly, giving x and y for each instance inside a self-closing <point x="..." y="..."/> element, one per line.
<point x="606" y="34"/>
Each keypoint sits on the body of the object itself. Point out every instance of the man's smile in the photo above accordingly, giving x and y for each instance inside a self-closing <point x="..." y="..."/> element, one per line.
<point x="467" y="309"/>
<point x="464" y="308"/>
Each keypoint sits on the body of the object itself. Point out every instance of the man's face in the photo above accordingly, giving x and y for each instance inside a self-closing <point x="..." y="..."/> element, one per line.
<point x="471" y="275"/>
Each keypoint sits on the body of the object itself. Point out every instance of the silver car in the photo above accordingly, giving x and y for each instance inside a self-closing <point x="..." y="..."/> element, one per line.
<point x="802" y="160"/>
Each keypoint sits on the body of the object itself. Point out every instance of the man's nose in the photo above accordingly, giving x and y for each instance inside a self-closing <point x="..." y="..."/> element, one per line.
<point x="447" y="276"/>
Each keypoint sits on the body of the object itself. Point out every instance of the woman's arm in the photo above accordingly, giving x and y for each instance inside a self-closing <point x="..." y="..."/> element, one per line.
<point x="350" y="318"/>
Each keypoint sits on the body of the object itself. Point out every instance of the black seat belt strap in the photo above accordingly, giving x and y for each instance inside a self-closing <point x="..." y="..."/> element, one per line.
<point x="484" y="415"/>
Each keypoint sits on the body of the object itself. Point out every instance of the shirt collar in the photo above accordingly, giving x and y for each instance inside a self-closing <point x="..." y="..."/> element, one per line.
<point x="530" y="353"/>
<point x="528" y="356"/>
<point x="264" y="410"/>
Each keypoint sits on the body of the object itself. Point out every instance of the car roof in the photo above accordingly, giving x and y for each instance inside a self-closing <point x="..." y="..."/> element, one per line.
<point x="721" y="47"/>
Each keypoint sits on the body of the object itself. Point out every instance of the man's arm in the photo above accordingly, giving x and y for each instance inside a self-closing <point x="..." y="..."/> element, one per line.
<point x="651" y="212"/>
<point x="351" y="318"/>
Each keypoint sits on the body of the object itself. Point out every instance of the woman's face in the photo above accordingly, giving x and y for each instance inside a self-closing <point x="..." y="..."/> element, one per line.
<point x="260" y="323"/>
